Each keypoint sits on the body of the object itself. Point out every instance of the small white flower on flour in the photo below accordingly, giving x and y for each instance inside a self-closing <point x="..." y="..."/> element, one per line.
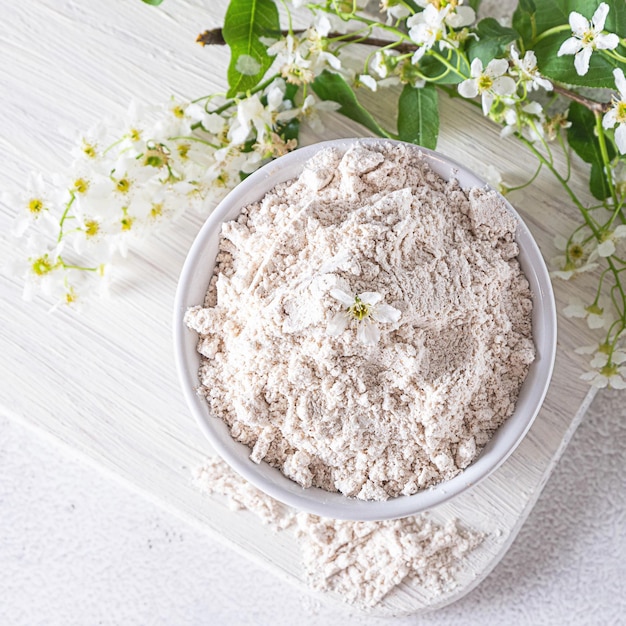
<point x="365" y="309"/>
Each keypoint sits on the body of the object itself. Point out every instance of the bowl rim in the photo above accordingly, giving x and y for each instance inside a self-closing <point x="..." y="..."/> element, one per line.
<point x="335" y="505"/>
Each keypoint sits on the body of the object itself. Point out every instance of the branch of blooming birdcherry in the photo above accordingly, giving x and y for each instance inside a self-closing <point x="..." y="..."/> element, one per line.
<point x="525" y="77"/>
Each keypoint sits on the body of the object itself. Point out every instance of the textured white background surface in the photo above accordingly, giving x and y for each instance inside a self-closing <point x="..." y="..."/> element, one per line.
<point x="77" y="548"/>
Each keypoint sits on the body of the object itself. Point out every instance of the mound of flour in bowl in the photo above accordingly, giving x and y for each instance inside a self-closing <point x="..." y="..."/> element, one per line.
<point x="416" y="403"/>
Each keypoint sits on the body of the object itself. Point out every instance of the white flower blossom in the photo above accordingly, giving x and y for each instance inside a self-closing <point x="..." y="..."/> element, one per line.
<point x="301" y="59"/>
<point x="366" y="310"/>
<point x="597" y="314"/>
<point x="456" y="16"/>
<point x="579" y="255"/>
<point x="619" y="178"/>
<point x="586" y="37"/>
<point x="41" y="268"/>
<point x="426" y="29"/>
<point x="382" y="63"/>
<point x="313" y="109"/>
<point x="527" y="71"/>
<point x="255" y="117"/>
<point x="612" y="376"/>
<point x="602" y="355"/>
<point x="607" y="367"/>
<point x="395" y="10"/>
<point x="32" y="205"/>
<point x="609" y="239"/>
<point x="368" y="81"/>
<point x="527" y="120"/>
<point x="489" y="82"/>
<point x="211" y="122"/>
<point x="616" y="115"/>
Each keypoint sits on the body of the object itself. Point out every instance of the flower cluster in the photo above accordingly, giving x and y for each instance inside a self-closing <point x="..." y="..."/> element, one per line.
<point x="301" y="58"/>
<point x="582" y="253"/>
<point x="167" y="160"/>
<point x="435" y="24"/>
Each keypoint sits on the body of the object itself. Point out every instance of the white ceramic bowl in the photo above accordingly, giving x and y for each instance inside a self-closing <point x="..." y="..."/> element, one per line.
<point x="193" y="284"/>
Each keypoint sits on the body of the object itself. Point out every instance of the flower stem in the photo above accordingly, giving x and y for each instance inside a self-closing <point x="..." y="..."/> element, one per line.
<point x="528" y="182"/>
<point x="263" y="85"/>
<point x="68" y="206"/>
<point x="551" y="31"/>
<point x="606" y="166"/>
<point x="581" y="207"/>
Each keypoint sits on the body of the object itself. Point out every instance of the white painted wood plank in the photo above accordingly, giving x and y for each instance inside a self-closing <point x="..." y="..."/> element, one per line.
<point x="104" y="384"/>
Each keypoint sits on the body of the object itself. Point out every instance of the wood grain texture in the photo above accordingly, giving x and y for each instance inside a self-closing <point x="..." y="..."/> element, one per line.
<point x="104" y="384"/>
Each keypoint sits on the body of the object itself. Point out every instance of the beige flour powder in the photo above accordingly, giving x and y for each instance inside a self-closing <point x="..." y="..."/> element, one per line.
<point x="414" y="406"/>
<point x="360" y="561"/>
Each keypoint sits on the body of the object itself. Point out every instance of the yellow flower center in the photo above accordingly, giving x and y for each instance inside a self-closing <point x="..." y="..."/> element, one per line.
<point x="576" y="252"/>
<point x="92" y="227"/>
<point x="183" y="150"/>
<point x="588" y="37"/>
<point x="178" y="112"/>
<point x="359" y="309"/>
<point x="156" y="156"/>
<point x="127" y="222"/>
<point x="122" y="185"/>
<point x="42" y="265"/>
<point x="609" y="370"/>
<point x="35" y="206"/>
<point x="81" y="185"/>
<point x="222" y="179"/>
<point x="134" y="134"/>
<point x="620" y="112"/>
<point x="70" y="296"/>
<point x="89" y="150"/>
<point x="484" y="83"/>
<point x="156" y="211"/>
<point x="594" y="309"/>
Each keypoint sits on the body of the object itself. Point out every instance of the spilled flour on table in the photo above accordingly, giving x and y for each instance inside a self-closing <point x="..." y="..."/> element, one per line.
<point x="361" y="561"/>
<point x="415" y="406"/>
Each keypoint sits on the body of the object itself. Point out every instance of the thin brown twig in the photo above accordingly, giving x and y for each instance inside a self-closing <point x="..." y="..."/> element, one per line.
<point x="593" y="105"/>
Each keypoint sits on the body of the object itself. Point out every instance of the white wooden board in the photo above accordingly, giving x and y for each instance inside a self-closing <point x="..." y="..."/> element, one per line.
<point x="104" y="383"/>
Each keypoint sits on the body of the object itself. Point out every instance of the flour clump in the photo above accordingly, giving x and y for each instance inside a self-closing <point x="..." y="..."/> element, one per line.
<point x="367" y="327"/>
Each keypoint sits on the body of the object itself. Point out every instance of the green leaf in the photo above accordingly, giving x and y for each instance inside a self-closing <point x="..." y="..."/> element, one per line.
<point x="418" y="116"/>
<point x="555" y="14"/>
<point x="475" y="4"/>
<point x="247" y="21"/>
<point x="329" y="86"/>
<point x="582" y="139"/>
<point x="492" y="40"/>
<point x="414" y="7"/>
<point x="154" y="3"/>
<point x="598" y="183"/>
<point x="441" y="74"/>
<point x="524" y="21"/>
